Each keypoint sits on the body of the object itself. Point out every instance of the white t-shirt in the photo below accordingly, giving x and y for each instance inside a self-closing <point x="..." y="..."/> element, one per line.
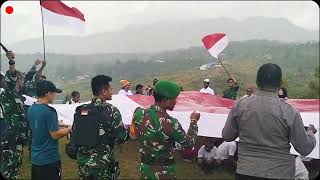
<point x="202" y="153"/>
<point x="301" y="170"/>
<point x="72" y="102"/>
<point x="226" y="149"/>
<point x="123" y="92"/>
<point x="207" y="90"/>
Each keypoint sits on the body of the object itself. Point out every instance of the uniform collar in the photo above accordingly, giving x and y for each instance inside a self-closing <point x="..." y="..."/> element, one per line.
<point x="97" y="101"/>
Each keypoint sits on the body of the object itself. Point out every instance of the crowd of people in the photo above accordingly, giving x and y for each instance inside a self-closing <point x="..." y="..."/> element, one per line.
<point x="264" y="123"/>
<point x="231" y="91"/>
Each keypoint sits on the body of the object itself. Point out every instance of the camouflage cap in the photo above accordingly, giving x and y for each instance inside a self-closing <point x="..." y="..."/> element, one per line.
<point x="167" y="89"/>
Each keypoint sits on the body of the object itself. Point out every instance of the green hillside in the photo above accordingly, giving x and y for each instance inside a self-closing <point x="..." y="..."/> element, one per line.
<point x="242" y="59"/>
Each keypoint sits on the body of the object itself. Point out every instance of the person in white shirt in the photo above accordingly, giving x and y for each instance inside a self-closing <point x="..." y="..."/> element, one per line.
<point x="75" y="98"/>
<point x="206" y="88"/>
<point x="250" y="92"/>
<point x="225" y="155"/>
<point x="125" y="91"/>
<point x="206" y="155"/>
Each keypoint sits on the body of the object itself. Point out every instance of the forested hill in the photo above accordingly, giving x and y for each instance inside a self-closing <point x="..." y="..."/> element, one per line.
<point x="242" y="59"/>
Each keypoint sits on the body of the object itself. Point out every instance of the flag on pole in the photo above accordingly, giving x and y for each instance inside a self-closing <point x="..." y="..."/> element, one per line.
<point x="215" y="43"/>
<point x="57" y="13"/>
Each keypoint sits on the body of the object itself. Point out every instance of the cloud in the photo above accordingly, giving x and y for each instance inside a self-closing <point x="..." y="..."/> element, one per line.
<point x="101" y="16"/>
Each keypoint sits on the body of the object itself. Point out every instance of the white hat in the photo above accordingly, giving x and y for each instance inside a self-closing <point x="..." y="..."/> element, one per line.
<point x="206" y="80"/>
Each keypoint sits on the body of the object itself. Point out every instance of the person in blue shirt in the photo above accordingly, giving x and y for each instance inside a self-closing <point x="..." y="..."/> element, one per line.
<point x="43" y="121"/>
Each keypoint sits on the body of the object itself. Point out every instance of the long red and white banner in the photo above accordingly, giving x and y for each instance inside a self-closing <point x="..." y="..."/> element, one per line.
<point x="214" y="111"/>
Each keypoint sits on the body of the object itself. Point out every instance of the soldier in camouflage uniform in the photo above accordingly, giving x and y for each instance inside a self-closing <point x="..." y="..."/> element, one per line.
<point x="157" y="133"/>
<point x="99" y="162"/>
<point x="2" y="86"/>
<point x="33" y="78"/>
<point x="14" y="134"/>
<point x="231" y="92"/>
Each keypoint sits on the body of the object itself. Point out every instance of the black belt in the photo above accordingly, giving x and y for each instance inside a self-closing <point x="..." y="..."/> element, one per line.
<point x="157" y="161"/>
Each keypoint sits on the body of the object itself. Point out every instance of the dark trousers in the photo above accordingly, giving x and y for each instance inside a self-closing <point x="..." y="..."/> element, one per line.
<point x="46" y="172"/>
<point x="245" y="177"/>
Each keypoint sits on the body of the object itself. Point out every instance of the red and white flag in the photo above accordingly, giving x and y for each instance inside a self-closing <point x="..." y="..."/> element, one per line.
<point x="57" y="13"/>
<point x="215" y="43"/>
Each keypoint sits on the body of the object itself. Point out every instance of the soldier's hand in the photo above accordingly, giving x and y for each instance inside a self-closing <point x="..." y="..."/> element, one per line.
<point x="195" y="116"/>
<point x="312" y="128"/>
<point x="10" y="55"/>
<point x="37" y="62"/>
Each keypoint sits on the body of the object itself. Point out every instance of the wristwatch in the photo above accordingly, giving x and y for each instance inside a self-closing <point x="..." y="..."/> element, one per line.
<point x="12" y="62"/>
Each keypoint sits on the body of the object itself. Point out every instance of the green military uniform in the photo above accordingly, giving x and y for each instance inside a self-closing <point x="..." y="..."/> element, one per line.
<point x="231" y="92"/>
<point x="15" y="130"/>
<point x="30" y="85"/>
<point x="99" y="161"/>
<point x="30" y="89"/>
<point x="157" y="133"/>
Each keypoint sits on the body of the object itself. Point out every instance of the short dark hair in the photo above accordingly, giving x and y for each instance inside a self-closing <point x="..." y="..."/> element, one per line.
<point x="74" y="93"/>
<point x="98" y="83"/>
<point x="158" y="97"/>
<point x="285" y="92"/>
<point x="139" y="86"/>
<point x="269" y="75"/>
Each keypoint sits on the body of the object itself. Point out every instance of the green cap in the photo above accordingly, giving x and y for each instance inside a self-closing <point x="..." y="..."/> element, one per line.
<point x="167" y="89"/>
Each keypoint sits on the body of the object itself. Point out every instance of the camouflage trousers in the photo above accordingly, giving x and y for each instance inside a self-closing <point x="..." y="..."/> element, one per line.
<point x="157" y="172"/>
<point x="11" y="160"/>
<point x="94" y="168"/>
<point x="89" y="172"/>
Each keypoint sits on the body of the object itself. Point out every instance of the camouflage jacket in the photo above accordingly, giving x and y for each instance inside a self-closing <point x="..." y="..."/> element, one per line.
<point x="14" y="117"/>
<point x="157" y="133"/>
<point x="231" y="93"/>
<point x="103" y="156"/>
<point x="31" y="81"/>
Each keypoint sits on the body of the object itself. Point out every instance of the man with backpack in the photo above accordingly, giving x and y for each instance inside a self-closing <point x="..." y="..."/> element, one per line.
<point x="96" y="128"/>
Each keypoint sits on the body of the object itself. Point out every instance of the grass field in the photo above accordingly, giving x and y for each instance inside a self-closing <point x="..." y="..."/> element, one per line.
<point x="129" y="163"/>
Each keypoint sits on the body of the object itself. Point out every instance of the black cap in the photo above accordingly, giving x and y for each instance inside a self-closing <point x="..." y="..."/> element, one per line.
<point x="45" y="86"/>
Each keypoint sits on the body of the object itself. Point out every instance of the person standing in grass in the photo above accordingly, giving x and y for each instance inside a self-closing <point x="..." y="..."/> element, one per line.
<point x="43" y="121"/>
<point x="266" y="126"/>
<point x="157" y="133"/>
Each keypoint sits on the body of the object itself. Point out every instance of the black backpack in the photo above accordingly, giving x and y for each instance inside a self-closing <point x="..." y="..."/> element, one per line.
<point x="85" y="129"/>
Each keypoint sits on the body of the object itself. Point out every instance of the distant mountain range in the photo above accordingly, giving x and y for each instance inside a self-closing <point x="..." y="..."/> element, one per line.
<point x="163" y="36"/>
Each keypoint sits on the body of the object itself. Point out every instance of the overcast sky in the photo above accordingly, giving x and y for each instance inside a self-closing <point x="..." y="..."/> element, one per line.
<point x="25" y="21"/>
